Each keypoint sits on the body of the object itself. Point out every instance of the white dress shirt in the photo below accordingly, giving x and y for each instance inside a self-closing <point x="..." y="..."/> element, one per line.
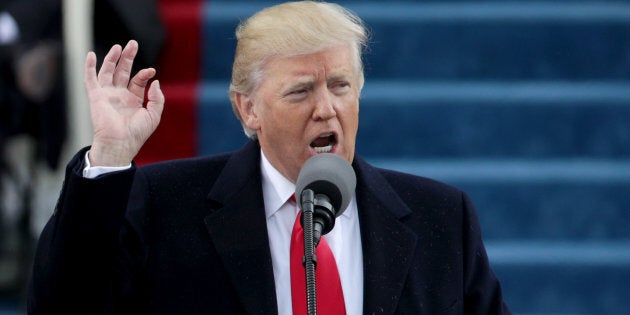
<point x="344" y="240"/>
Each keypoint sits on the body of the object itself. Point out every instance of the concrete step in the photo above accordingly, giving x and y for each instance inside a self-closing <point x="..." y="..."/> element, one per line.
<point x="489" y="40"/>
<point x="552" y="200"/>
<point x="563" y="277"/>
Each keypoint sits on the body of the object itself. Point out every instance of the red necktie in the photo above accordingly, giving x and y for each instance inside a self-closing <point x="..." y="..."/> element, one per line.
<point x="329" y="293"/>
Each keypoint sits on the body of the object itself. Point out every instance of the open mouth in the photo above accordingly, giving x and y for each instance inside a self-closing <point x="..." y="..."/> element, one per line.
<point x="324" y="143"/>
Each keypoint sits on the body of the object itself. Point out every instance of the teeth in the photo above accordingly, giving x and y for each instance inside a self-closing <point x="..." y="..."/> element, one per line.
<point x="325" y="149"/>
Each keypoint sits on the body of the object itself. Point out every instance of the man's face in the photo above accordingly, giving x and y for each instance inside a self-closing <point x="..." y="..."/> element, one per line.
<point x="305" y="105"/>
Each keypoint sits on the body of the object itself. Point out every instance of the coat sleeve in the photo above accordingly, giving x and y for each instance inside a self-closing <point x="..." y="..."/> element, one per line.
<point x="482" y="290"/>
<point x="78" y="266"/>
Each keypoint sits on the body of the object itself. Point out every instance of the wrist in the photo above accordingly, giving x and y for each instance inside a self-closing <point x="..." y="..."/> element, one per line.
<point x="109" y="157"/>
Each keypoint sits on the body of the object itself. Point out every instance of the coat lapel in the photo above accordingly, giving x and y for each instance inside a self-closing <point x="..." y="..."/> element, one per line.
<point x="388" y="245"/>
<point x="238" y="230"/>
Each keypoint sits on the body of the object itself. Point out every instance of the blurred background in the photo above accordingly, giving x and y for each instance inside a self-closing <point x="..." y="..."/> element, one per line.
<point x="525" y="105"/>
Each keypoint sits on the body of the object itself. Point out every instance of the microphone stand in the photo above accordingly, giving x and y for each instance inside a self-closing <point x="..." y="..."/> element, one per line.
<point x="309" y="260"/>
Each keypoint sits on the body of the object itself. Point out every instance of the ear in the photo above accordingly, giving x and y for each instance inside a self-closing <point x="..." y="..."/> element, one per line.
<point x="247" y="111"/>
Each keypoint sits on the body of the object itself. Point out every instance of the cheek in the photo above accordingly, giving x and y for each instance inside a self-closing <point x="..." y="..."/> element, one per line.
<point x="349" y="115"/>
<point x="295" y="118"/>
<point x="351" y="125"/>
<point x="286" y="124"/>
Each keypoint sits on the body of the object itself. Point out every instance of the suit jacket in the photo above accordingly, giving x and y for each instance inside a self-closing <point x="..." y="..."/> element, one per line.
<point x="193" y="240"/>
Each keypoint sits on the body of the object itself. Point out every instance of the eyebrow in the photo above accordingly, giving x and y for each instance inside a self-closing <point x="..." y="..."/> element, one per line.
<point x="309" y="80"/>
<point x="339" y="76"/>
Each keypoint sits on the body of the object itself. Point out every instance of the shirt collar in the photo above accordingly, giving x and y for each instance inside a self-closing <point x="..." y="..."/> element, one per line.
<point x="277" y="189"/>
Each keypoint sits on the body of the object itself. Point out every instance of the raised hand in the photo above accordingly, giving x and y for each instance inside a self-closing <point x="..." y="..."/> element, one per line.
<point x="121" y="123"/>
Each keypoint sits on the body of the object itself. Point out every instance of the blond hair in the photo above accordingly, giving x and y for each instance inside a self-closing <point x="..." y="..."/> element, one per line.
<point x="290" y="29"/>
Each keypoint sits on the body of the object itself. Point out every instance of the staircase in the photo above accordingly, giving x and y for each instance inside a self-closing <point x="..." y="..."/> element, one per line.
<point x="524" y="105"/>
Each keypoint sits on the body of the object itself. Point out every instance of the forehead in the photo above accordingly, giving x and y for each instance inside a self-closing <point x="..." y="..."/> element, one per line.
<point x="330" y="62"/>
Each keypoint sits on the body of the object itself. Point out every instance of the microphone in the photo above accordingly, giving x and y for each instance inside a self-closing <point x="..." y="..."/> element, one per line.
<point x="326" y="182"/>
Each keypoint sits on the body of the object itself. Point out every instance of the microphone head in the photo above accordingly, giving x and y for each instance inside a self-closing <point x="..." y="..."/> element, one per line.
<point x="330" y="175"/>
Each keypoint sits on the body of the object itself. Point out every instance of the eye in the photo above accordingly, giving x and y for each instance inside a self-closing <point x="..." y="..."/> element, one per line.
<point x="298" y="92"/>
<point x="340" y="87"/>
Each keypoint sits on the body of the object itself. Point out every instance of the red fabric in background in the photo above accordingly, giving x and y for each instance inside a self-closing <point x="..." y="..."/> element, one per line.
<point x="179" y="72"/>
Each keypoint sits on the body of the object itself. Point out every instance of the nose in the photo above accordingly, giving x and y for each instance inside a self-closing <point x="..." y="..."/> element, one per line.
<point x="324" y="107"/>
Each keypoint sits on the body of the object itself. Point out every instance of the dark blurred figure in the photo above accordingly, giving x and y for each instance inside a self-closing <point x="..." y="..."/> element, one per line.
<point x="32" y="110"/>
<point x="32" y="96"/>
